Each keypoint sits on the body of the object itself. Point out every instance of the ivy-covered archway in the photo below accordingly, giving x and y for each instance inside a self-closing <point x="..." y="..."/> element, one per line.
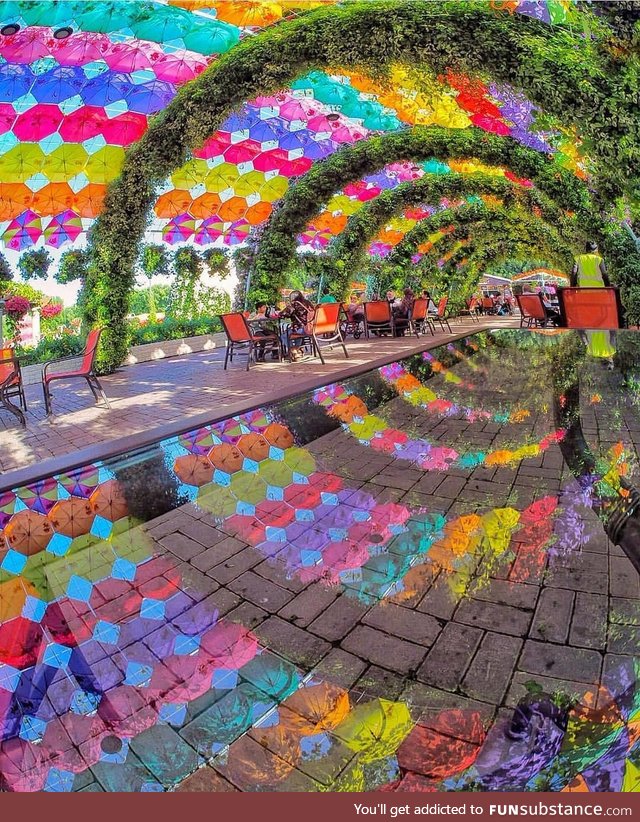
<point x="350" y="246"/>
<point x="513" y="49"/>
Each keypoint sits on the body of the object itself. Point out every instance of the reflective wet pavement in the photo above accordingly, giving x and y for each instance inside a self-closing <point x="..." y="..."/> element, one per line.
<point x="394" y="582"/>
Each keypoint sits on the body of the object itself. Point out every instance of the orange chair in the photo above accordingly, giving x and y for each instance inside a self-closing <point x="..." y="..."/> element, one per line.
<point x="590" y="308"/>
<point x="326" y="328"/>
<point x="11" y="384"/>
<point x="471" y="308"/>
<point x="419" y="318"/>
<point x="86" y="371"/>
<point x="441" y="315"/>
<point x="488" y="305"/>
<point x="240" y="336"/>
<point x="532" y="311"/>
<point x="378" y="318"/>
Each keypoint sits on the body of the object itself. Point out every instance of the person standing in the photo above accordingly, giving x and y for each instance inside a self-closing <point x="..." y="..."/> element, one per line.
<point x="590" y="271"/>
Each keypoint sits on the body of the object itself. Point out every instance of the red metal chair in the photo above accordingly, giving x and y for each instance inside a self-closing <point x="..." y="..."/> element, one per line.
<point x="471" y="308"/>
<point x="351" y="325"/>
<point x="11" y="384"/>
<point x="419" y="318"/>
<point x="378" y="318"/>
<point x="532" y="311"/>
<point x="488" y="305"/>
<point x="240" y="336"/>
<point x="590" y="308"/>
<point x="85" y="371"/>
<point x="441" y="315"/>
<point x="326" y="328"/>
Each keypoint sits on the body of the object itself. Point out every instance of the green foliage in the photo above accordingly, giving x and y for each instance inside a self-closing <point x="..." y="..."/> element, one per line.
<point x="14" y="289"/>
<point x="6" y="273"/>
<point x="593" y="89"/>
<point x="154" y="260"/>
<point x="172" y="329"/>
<point x="217" y="263"/>
<point x="188" y="267"/>
<point x="34" y="265"/>
<point x="149" y="300"/>
<point x="51" y="349"/>
<point x="73" y="266"/>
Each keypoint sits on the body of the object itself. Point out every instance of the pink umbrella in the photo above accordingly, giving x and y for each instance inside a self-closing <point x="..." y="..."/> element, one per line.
<point x="292" y="110"/>
<point x="23" y="231"/>
<point x="243" y="152"/>
<point x="237" y="233"/>
<point x="63" y="228"/>
<point x="179" y="229"/>
<point x="179" y="68"/>
<point x="209" y="231"/>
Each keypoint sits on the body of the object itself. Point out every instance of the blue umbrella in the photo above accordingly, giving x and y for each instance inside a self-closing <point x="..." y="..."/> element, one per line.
<point x="59" y="84"/>
<point x="15" y="81"/>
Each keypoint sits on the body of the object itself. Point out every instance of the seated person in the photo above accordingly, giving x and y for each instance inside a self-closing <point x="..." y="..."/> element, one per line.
<point x="402" y="311"/>
<point x="354" y="309"/>
<point x="301" y="311"/>
<point x="264" y="329"/>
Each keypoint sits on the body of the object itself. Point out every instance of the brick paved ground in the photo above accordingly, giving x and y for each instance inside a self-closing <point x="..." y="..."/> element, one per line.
<point x="473" y="635"/>
<point x="150" y="394"/>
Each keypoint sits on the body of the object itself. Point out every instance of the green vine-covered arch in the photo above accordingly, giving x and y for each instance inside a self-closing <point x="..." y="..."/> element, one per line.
<point x="592" y="91"/>
<point x="350" y="246"/>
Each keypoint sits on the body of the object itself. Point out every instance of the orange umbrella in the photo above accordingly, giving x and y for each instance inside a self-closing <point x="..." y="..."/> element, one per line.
<point x="13" y="594"/>
<point x="108" y="501"/>
<point x="254" y="446"/>
<point x="233" y="209"/>
<point x="279" y="435"/>
<point x="247" y="13"/>
<point x="258" y="213"/>
<point x="317" y="708"/>
<point x="28" y="532"/>
<point x="173" y="203"/>
<point x="193" y="469"/>
<point x="72" y="517"/>
<point x="226" y="458"/>
<point x="53" y="198"/>
<point x="14" y="199"/>
<point x="88" y="201"/>
<point x="205" y="206"/>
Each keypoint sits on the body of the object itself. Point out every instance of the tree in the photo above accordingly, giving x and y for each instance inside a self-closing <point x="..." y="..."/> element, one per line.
<point x="34" y="265"/>
<point x="6" y="274"/>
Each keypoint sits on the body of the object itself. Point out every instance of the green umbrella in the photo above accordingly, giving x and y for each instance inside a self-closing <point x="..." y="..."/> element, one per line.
<point x="375" y="729"/>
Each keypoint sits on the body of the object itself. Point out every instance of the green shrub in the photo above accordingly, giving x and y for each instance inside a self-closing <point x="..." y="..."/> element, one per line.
<point x="172" y="329"/>
<point x="48" y="349"/>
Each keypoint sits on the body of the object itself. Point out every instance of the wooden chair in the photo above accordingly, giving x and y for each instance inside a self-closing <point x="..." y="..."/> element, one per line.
<point x="378" y="318"/>
<point x="532" y="311"/>
<point x="419" y="318"/>
<point x="326" y="328"/>
<point x="85" y="371"/>
<point x="441" y="315"/>
<point x="240" y="336"/>
<point x="590" y="308"/>
<point x="11" y="384"/>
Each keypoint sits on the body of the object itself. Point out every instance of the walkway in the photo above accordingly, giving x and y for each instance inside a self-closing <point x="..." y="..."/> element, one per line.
<point x="151" y="394"/>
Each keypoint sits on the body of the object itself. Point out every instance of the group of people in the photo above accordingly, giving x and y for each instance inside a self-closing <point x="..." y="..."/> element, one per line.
<point x="300" y="311"/>
<point x="401" y="308"/>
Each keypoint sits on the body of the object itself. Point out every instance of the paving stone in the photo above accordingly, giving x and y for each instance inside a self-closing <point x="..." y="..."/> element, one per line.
<point x="403" y="479"/>
<point x="503" y="592"/>
<point x="586" y="692"/>
<point x="383" y="649"/>
<point x="206" y="535"/>
<point x="339" y="618"/>
<point x="451" y="487"/>
<point x="309" y="604"/>
<point x="624" y="626"/>
<point x="624" y="581"/>
<point x="440" y="600"/>
<point x="403" y="622"/>
<point x="340" y="668"/>
<point x="206" y="780"/>
<point x="446" y="663"/>
<point x="589" y="623"/>
<point x="247" y="614"/>
<point x="165" y="754"/>
<point x="220" y="552"/>
<point x="493" y="617"/>
<point x="560" y="661"/>
<point x="260" y="592"/>
<point x="181" y="546"/>
<point x="553" y="615"/>
<point x="432" y="707"/>
<point x="235" y="566"/>
<point x="586" y="581"/>
<point x="295" y="644"/>
<point x="377" y="681"/>
<point x="276" y="572"/>
<point x="490" y="672"/>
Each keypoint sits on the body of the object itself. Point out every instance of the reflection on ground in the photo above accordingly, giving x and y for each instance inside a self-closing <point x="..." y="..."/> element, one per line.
<point x="393" y="583"/>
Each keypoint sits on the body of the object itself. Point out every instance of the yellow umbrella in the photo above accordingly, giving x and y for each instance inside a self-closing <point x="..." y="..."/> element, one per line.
<point x="105" y="164"/>
<point x="249" y="183"/>
<point x="20" y="163"/>
<point x="191" y="174"/>
<point x="65" y="162"/>
<point x="221" y="177"/>
<point x="274" y="189"/>
<point x="375" y="729"/>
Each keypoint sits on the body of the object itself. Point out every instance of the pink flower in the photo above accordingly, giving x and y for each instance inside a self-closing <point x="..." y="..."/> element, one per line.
<point x="17" y="307"/>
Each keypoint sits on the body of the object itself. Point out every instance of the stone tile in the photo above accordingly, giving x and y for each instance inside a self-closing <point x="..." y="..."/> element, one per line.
<point x="553" y="615"/>
<point x="624" y="581"/>
<point x="560" y="661"/>
<point x="297" y="645"/>
<point x="403" y="622"/>
<point x="493" y="617"/>
<point x="384" y="650"/>
<point x="165" y="754"/>
<point x="181" y="546"/>
<point x="440" y="600"/>
<point x="490" y="672"/>
<point x="226" y="548"/>
<point x="235" y="566"/>
<point x="503" y="592"/>
<point x="206" y="535"/>
<point x="589" y="623"/>
<point x="340" y="668"/>
<point x="206" y="780"/>
<point x="339" y="618"/>
<point x="587" y="581"/>
<point x="260" y="592"/>
<point x="276" y="572"/>
<point x="378" y="682"/>
<point x="431" y="706"/>
<point x="309" y="604"/>
<point x="582" y="691"/>
<point x="247" y="614"/>
<point x="448" y="660"/>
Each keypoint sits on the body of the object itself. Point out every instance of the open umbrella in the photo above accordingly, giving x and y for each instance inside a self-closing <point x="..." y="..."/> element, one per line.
<point x="23" y="231"/>
<point x="72" y="517"/>
<point x="179" y="229"/>
<point x="108" y="501"/>
<point x="28" y="532"/>
<point x="63" y="228"/>
<point x="226" y="457"/>
<point x="254" y="446"/>
<point x="375" y="729"/>
<point x="204" y="208"/>
<point x="39" y="496"/>
<point x="193" y="469"/>
<point x="210" y="229"/>
<point x="237" y="233"/>
<point x="317" y="708"/>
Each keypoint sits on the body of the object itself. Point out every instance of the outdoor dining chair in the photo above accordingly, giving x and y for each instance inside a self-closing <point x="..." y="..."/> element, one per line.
<point x="419" y="319"/>
<point x="11" y="384"/>
<point x="532" y="311"/>
<point x="590" y="308"/>
<point x="85" y="371"/>
<point x="441" y="314"/>
<point x="378" y="318"/>
<point x="326" y="328"/>
<point x="241" y="337"/>
<point x="471" y="308"/>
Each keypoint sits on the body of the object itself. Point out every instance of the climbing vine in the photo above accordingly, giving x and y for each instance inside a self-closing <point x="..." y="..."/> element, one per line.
<point x="593" y="90"/>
